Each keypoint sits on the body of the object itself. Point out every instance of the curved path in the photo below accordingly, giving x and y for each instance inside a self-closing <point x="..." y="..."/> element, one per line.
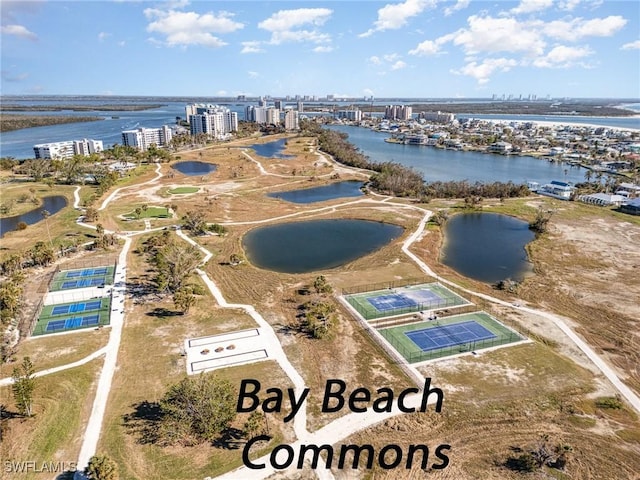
<point x="338" y="429"/>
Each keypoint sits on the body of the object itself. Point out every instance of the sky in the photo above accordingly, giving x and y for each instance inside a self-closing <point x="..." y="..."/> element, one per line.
<point x="407" y="49"/>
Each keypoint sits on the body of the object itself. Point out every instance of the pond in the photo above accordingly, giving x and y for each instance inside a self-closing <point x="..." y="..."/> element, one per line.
<point x="51" y="204"/>
<point x="488" y="247"/>
<point x="349" y="188"/>
<point x="273" y="149"/>
<point x="194" y="168"/>
<point x="302" y="247"/>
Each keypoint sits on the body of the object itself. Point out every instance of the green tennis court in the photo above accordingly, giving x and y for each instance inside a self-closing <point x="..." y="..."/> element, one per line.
<point x="82" y="278"/>
<point x="401" y="300"/>
<point x="468" y="332"/>
<point x="72" y="316"/>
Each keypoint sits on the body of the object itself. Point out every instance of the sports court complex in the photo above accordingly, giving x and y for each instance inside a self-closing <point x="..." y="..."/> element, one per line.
<point x="394" y="301"/>
<point x="393" y="313"/>
<point x="82" y="278"/>
<point x="71" y="316"/>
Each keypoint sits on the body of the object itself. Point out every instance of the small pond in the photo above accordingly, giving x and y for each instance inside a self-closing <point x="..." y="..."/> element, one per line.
<point x="194" y="168"/>
<point x="273" y="149"/>
<point x="51" y="204"/>
<point x="488" y="247"/>
<point x="350" y="188"/>
<point x="301" y="247"/>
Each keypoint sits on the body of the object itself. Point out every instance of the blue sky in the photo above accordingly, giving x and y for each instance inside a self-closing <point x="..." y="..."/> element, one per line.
<point x="413" y="48"/>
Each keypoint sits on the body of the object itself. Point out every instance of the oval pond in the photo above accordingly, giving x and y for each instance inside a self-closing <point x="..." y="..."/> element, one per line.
<point x="194" y="168"/>
<point x="271" y="149"/>
<point x="349" y="188"/>
<point x="302" y="247"/>
<point x="488" y="247"/>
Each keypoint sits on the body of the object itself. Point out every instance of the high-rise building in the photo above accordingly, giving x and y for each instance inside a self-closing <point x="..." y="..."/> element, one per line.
<point x="213" y="120"/>
<point x="67" y="149"/>
<point x="291" y="120"/>
<point x="439" y="117"/>
<point x="300" y="107"/>
<point x="262" y="115"/>
<point x="142" y="138"/>
<point x="279" y="104"/>
<point x="354" y="115"/>
<point x="398" y="112"/>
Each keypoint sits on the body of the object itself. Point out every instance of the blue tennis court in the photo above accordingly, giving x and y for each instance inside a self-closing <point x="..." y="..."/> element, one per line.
<point x="84" y="282"/>
<point x="391" y="302"/>
<point x="76" y="307"/>
<point x="72" y="322"/>
<point x="422" y="296"/>
<point x="87" y="272"/>
<point x="448" y="335"/>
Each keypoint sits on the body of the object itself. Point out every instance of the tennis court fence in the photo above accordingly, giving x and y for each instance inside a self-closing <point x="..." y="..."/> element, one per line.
<point x="371" y="287"/>
<point x="413" y="356"/>
<point x="372" y="314"/>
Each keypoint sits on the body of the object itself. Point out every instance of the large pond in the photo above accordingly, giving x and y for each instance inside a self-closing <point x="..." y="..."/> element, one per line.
<point x="51" y="204"/>
<point x="488" y="247"/>
<point x="194" y="168"/>
<point x="349" y="188"/>
<point x="273" y="149"/>
<point x="312" y="245"/>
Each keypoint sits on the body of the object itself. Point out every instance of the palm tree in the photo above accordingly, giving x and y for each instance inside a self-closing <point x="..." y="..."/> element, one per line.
<point x="587" y="175"/>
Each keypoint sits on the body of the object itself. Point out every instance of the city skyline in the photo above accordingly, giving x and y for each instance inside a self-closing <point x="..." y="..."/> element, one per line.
<point x="410" y="49"/>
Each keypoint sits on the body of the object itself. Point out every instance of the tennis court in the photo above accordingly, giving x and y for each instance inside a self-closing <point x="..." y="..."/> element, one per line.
<point x="72" y="323"/>
<point x="427" y="340"/>
<point x="71" y="316"/>
<point x="401" y="300"/>
<point x="447" y="335"/>
<point x="82" y="278"/>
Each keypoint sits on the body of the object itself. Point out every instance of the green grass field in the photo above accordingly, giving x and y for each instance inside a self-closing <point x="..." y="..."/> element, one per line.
<point x="150" y="212"/>
<point x="61" y="277"/>
<point x="180" y="190"/>
<point x="47" y="315"/>
<point x="413" y="353"/>
<point x="447" y="298"/>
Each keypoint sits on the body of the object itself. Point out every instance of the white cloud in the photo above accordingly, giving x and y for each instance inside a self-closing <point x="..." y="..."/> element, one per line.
<point x="426" y="48"/>
<point x="221" y="93"/>
<point x="460" y="5"/>
<point x="191" y="28"/>
<point x="122" y="43"/>
<point x="13" y="77"/>
<point x="631" y="45"/>
<point x="18" y="31"/>
<point x="488" y="34"/>
<point x="568" y="5"/>
<point x="253" y="74"/>
<point x="323" y="49"/>
<point x="390" y="57"/>
<point x="578" y="28"/>
<point x="375" y="60"/>
<point x="395" y="15"/>
<point x="398" y="65"/>
<point x="482" y="71"/>
<point x="283" y="24"/>
<point x="251" y="47"/>
<point x="562" y="56"/>
<point x="529" y="6"/>
<point x="103" y="35"/>
<point x="289" y="19"/>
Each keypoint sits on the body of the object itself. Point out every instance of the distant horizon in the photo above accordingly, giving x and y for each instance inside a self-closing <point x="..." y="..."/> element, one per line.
<point x="319" y="99"/>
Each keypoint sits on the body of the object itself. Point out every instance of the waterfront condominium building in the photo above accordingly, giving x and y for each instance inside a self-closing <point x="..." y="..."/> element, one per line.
<point x="262" y="115"/>
<point x="398" y="112"/>
<point x="67" y="148"/>
<point x="291" y="120"/>
<point x="438" y="117"/>
<point x="213" y="120"/>
<point x="354" y="115"/>
<point x="142" y="138"/>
